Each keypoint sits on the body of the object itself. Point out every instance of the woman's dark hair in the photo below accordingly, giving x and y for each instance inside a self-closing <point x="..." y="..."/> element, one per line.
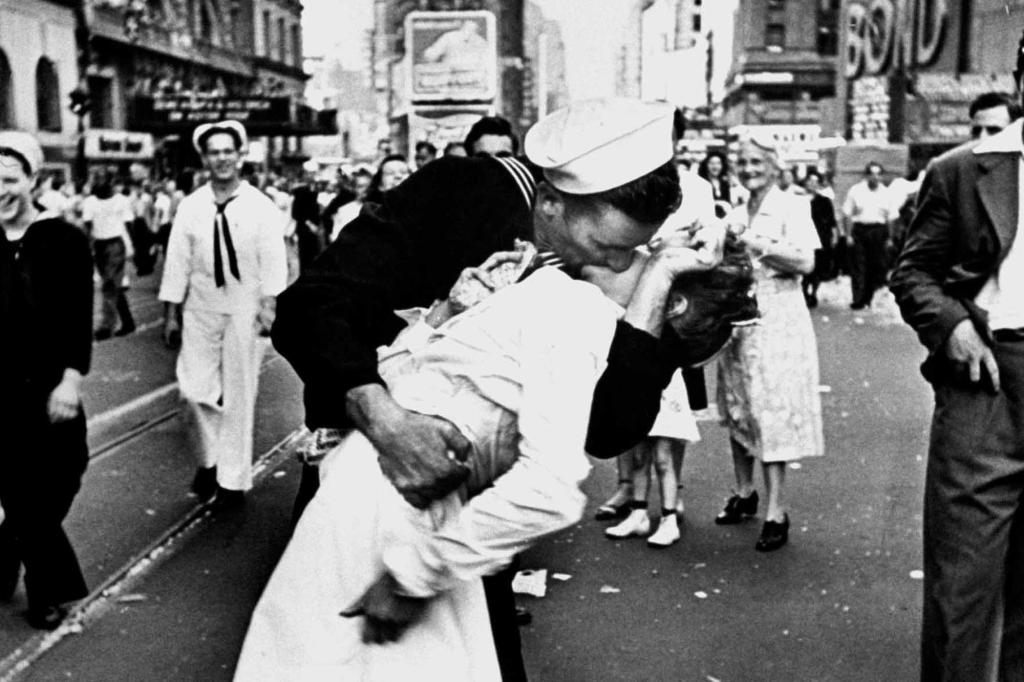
<point x="702" y="168"/>
<point x="716" y="301"/>
<point x="102" y="186"/>
<point x="490" y="125"/>
<point x="649" y="199"/>
<point x="373" y="192"/>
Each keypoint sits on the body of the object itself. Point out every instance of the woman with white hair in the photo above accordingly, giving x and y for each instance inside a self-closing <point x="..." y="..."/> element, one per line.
<point x="768" y="375"/>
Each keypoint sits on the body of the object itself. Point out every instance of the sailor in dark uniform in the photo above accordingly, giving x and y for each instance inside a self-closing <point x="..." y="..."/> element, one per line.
<point x="409" y="250"/>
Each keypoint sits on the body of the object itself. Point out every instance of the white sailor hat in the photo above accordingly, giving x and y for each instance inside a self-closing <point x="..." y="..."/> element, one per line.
<point x="233" y="128"/>
<point x="25" y="147"/>
<point x="599" y="144"/>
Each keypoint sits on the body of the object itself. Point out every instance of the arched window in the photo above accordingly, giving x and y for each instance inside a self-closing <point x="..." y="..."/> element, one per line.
<point x="6" y="93"/>
<point x="47" y="96"/>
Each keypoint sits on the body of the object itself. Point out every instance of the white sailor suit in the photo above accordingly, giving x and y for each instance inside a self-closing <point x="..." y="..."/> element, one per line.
<point x="220" y="273"/>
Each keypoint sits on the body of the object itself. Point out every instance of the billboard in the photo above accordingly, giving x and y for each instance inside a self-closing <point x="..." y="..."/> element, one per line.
<point x="453" y="56"/>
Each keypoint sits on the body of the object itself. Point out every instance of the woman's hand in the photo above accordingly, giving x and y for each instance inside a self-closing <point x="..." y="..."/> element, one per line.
<point x="476" y="284"/>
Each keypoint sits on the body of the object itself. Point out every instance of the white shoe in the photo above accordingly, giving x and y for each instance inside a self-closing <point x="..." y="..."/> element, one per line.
<point x="636" y="523"/>
<point x="667" y="533"/>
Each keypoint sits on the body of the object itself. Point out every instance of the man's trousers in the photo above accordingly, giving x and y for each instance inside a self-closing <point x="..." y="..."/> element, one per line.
<point x="973" y="620"/>
<point x="41" y="469"/>
<point x="868" y="262"/>
<point x="218" y="376"/>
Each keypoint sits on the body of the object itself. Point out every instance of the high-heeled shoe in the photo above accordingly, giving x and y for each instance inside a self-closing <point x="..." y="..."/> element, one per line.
<point x="738" y="509"/>
<point x="774" y="534"/>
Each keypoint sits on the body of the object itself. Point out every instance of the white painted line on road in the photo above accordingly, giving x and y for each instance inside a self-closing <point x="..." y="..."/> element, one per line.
<point x="120" y="411"/>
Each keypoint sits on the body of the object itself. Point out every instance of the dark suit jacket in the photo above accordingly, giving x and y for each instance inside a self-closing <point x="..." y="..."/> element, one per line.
<point x="965" y="222"/>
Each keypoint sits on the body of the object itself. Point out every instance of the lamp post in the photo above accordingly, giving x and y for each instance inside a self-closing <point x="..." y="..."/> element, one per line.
<point x="79" y="97"/>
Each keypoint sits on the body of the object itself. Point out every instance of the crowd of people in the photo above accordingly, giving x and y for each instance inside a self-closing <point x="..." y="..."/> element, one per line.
<point x="558" y="301"/>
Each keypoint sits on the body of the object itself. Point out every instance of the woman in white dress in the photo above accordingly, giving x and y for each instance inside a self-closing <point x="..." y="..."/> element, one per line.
<point x="515" y="373"/>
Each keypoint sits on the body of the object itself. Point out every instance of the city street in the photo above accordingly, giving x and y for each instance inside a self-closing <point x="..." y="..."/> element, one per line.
<point x="841" y="602"/>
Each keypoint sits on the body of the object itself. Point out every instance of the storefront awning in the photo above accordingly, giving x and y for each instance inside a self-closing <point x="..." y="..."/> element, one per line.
<point x="270" y="116"/>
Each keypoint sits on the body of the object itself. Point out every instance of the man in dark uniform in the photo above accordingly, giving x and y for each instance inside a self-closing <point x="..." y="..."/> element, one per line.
<point x="407" y="252"/>
<point x="45" y="348"/>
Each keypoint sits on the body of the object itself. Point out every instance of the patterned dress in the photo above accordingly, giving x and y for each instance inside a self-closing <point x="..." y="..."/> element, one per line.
<point x="768" y="374"/>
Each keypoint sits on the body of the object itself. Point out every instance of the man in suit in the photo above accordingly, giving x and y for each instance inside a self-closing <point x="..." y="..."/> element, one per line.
<point x="960" y="283"/>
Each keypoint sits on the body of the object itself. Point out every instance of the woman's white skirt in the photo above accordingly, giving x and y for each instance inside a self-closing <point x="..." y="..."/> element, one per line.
<point x="296" y="633"/>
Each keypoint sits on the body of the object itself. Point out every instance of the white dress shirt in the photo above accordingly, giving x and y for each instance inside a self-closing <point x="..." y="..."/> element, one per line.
<point x="257" y="231"/>
<point x="867" y="206"/>
<point x="519" y="352"/>
<point x="1002" y="295"/>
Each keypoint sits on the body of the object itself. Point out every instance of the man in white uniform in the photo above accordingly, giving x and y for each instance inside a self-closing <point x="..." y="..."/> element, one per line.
<point x="226" y="258"/>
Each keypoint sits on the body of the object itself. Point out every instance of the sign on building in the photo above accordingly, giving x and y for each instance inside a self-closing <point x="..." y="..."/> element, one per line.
<point x="118" y="145"/>
<point x="453" y="56"/>
<point x="165" y="114"/>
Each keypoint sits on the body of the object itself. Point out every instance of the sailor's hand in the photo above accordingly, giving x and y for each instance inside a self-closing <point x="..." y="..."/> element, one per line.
<point x="422" y="456"/>
<point x="387" y="614"/>
<point x="65" y="400"/>
<point x="172" y="333"/>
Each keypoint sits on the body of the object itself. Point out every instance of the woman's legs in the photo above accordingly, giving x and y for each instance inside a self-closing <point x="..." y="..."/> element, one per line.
<point x="618" y="504"/>
<point x="743" y="468"/>
<point x="774" y="481"/>
<point x="775" y="532"/>
<point x="668" y="461"/>
<point x="637" y="522"/>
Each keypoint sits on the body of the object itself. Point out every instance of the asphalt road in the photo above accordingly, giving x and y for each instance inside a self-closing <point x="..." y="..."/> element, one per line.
<point x="840" y="602"/>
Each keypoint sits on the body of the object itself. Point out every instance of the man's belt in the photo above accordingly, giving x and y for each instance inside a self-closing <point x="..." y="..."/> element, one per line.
<point x="1008" y="335"/>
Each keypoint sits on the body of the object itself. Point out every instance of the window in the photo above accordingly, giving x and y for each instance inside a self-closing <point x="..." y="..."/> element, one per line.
<point x="266" y="33"/>
<point x="47" y="96"/>
<point x="695" y="23"/>
<point x="6" y="93"/>
<point x="828" y="41"/>
<point x="282" y="45"/>
<point x="296" y="46"/>
<point x="101" y="114"/>
<point x="775" y="37"/>
<point x="205" y="22"/>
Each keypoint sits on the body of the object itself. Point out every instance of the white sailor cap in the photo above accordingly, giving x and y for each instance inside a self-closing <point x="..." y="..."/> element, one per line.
<point x="25" y="147"/>
<point x="233" y="128"/>
<point x="599" y="144"/>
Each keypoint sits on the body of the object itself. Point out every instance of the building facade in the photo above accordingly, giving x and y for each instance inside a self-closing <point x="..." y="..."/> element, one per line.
<point x="38" y="70"/>
<point x="784" y="64"/>
<point x="910" y="69"/>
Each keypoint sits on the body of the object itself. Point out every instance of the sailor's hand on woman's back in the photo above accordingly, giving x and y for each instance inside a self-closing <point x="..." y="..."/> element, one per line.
<point x="422" y="456"/>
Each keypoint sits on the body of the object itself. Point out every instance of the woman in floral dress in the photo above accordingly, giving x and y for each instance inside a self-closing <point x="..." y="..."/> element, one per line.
<point x="768" y="375"/>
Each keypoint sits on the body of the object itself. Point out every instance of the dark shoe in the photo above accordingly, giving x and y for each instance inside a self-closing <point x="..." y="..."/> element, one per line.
<point x="46" y="617"/>
<point x="204" y="485"/>
<point x="612" y="512"/>
<point x="523" y="617"/>
<point x="228" y="499"/>
<point x="738" y="509"/>
<point x="774" y="534"/>
<point x="125" y="330"/>
<point x="102" y="334"/>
